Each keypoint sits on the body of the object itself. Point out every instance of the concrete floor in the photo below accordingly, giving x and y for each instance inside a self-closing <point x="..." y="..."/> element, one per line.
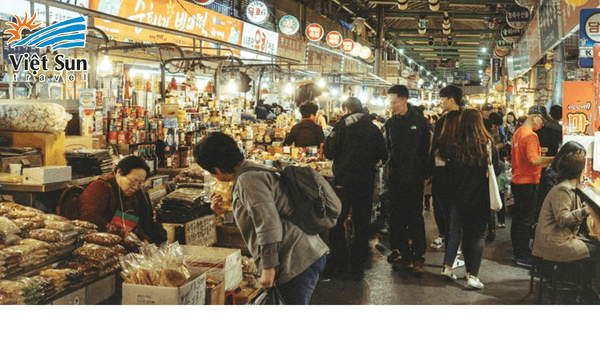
<point x="505" y="282"/>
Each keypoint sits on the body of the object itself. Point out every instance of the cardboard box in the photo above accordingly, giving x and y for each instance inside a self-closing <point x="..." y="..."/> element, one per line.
<point x="216" y="295"/>
<point x="169" y="110"/>
<point x="51" y="145"/>
<point x="192" y="293"/>
<point x="75" y="142"/>
<point x="46" y="174"/>
<point x="198" y="232"/>
<point x="221" y="263"/>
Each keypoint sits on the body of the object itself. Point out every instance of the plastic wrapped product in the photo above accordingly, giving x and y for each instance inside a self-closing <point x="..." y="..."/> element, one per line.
<point x="49" y="235"/>
<point x="54" y="217"/>
<point x="95" y="252"/>
<point x="84" y="224"/>
<point x="19" y="214"/>
<point x="7" y="207"/>
<point x="26" y="224"/>
<point x="35" y="244"/>
<point x="103" y="239"/>
<point x="33" y="116"/>
<point x="58" y="225"/>
<point x="120" y="250"/>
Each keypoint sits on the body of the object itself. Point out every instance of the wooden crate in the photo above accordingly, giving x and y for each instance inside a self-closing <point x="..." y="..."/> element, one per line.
<point x="216" y="295"/>
<point x="51" y="145"/>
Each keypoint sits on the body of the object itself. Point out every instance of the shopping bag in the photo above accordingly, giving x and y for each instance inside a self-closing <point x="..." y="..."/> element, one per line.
<point x="269" y="296"/>
<point x="495" y="200"/>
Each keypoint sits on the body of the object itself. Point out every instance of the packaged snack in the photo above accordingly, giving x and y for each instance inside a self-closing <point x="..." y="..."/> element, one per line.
<point x="104" y="239"/>
<point x="35" y="244"/>
<point x="58" y="225"/>
<point x="84" y="224"/>
<point x="49" y="235"/>
<point x="54" y="217"/>
<point x="23" y="213"/>
<point x="95" y="252"/>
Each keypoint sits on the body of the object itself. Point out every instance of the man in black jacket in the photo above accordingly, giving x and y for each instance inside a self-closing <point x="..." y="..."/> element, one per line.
<point x="306" y="133"/>
<point x="356" y="146"/>
<point x="408" y="138"/>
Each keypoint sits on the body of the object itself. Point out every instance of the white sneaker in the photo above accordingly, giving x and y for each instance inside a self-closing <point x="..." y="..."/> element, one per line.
<point x="448" y="273"/>
<point x="458" y="263"/>
<point x="474" y="282"/>
<point x="437" y="243"/>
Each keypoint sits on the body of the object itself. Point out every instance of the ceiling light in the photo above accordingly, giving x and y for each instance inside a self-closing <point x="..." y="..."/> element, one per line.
<point x="480" y="71"/>
<point x="402" y="4"/>
<point x="480" y="62"/>
<point x="483" y="49"/>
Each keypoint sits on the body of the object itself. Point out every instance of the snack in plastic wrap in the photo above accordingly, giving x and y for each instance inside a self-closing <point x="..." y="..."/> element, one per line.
<point x="54" y="217"/>
<point x="84" y="224"/>
<point x="35" y="244"/>
<point x="120" y="250"/>
<point x="49" y="235"/>
<point x="225" y="191"/>
<point x="32" y="116"/>
<point x="8" y="232"/>
<point x="95" y="252"/>
<point x="29" y="223"/>
<point x="103" y="239"/>
<point x="158" y="266"/>
<point x="59" y="225"/>
<point x="6" y="207"/>
<point x="24" y="213"/>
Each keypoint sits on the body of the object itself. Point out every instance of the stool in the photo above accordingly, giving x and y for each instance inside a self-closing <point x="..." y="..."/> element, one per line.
<point x="555" y="283"/>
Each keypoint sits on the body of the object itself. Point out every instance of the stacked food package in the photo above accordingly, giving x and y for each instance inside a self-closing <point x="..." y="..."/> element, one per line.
<point x="58" y="232"/>
<point x="26" y="291"/>
<point x="94" y="260"/>
<point x="183" y="205"/>
<point x="193" y="174"/>
<point x="62" y="279"/>
<point x="157" y="266"/>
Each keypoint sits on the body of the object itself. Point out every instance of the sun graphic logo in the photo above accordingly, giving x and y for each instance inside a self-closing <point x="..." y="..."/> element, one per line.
<point x="67" y="34"/>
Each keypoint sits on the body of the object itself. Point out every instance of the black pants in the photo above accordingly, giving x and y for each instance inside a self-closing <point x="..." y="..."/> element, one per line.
<point x="441" y="214"/>
<point x="520" y="230"/>
<point x="502" y="212"/>
<point x="358" y="197"/>
<point x="407" y="222"/>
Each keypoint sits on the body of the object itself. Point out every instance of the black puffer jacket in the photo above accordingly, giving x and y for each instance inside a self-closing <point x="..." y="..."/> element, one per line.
<point x="408" y="140"/>
<point x="355" y="145"/>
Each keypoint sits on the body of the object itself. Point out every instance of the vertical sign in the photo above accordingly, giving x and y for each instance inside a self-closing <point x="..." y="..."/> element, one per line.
<point x="533" y="42"/>
<point x="549" y="22"/>
<point x="578" y="106"/>
<point x="589" y="34"/>
<point x="496" y="70"/>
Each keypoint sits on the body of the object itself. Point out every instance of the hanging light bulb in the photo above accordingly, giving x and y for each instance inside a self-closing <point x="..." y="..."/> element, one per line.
<point x="434" y="5"/>
<point x="232" y="86"/>
<point x="402" y="4"/>
<point x="321" y="83"/>
<point x="106" y="65"/>
<point x="430" y="42"/>
<point x="289" y="89"/>
<point x="446" y="25"/>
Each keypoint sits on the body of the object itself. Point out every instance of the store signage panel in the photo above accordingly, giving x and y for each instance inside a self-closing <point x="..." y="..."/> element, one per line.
<point x="510" y="34"/>
<point x="589" y="34"/>
<point x="351" y="66"/>
<point x="570" y="15"/>
<point x="291" y="48"/>
<point x="289" y="25"/>
<point x="496" y="70"/>
<point x="314" y="60"/>
<point x="257" y="12"/>
<point x="315" y="32"/>
<point x="20" y="7"/>
<point x="549" y="24"/>
<point x="203" y="2"/>
<point x="578" y="107"/>
<point x="260" y="39"/>
<point x="334" y="39"/>
<point x="356" y="50"/>
<point x="365" y="52"/>
<point x="533" y="42"/>
<point x="518" y="17"/>
<point x="347" y="45"/>
<point x="182" y="16"/>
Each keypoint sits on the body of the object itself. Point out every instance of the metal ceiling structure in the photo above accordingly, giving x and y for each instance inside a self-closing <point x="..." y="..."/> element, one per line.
<point x="475" y="25"/>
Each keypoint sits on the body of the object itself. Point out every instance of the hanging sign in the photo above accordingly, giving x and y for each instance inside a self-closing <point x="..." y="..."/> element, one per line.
<point x="518" y="17"/>
<point x="356" y="50"/>
<point x="496" y="70"/>
<point x="503" y="43"/>
<point x="578" y="104"/>
<point x="549" y="23"/>
<point x="570" y="15"/>
<point x="315" y="32"/>
<point x="334" y="39"/>
<point x="347" y="45"/>
<point x="405" y="73"/>
<point x="292" y="48"/>
<point x="259" y="39"/>
<point x="289" y="25"/>
<point x="589" y="34"/>
<point x="510" y="34"/>
<point x="526" y="3"/>
<point x="203" y="2"/>
<point x="257" y="12"/>
<point x="365" y="52"/>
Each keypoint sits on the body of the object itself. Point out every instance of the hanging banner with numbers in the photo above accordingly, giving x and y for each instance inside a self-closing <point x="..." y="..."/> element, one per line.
<point x="589" y="34"/>
<point x="533" y="42"/>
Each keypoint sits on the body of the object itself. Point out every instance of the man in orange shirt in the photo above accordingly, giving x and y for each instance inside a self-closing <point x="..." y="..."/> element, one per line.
<point x="527" y="162"/>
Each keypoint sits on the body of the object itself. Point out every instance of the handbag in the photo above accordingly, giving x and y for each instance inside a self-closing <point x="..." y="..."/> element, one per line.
<point x="495" y="200"/>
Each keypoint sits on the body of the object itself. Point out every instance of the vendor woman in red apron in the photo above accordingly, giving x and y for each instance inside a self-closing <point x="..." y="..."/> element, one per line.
<point x="112" y="203"/>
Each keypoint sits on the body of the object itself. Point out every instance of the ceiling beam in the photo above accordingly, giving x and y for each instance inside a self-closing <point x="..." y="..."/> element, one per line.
<point x="425" y="39"/>
<point x="434" y="48"/>
<point x="480" y="16"/>
<point x="433" y="30"/>
<point x="457" y="2"/>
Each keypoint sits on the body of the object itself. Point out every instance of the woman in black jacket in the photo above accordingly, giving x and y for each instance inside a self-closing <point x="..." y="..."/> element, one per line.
<point x="470" y="200"/>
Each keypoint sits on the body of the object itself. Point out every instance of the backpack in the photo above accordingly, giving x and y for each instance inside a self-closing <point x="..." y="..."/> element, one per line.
<point x="316" y="205"/>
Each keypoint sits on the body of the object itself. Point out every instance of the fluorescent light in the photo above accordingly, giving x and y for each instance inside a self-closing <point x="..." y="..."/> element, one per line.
<point x="480" y="62"/>
<point x="483" y="49"/>
<point x="322" y="83"/>
<point x="232" y="86"/>
<point x="106" y="65"/>
<point x="480" y="71"/>
<point x="289" y="89"/>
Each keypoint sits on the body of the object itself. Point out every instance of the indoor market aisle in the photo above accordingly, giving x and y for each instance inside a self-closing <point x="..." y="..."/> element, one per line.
<point x="505" y="282"/>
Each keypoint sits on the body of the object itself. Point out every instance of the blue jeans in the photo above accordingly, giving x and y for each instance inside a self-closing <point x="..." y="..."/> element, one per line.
<point x="299" y="290"/>
<point x="468" y="226"/>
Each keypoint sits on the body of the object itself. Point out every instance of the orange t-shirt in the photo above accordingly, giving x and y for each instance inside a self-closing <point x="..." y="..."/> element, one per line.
<point x="526" y="147"/>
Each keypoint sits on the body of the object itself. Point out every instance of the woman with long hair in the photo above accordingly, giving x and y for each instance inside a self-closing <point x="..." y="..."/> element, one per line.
<point x="470" y="200"/>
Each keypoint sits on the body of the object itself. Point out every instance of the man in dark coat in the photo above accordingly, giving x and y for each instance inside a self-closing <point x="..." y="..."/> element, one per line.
<point x="408" y="138"/>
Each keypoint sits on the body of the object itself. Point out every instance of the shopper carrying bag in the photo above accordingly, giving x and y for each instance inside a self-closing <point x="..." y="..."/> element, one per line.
<point x="495" y="199"/>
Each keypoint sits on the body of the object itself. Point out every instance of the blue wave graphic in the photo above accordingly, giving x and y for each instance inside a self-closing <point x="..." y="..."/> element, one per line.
<point x="68" y="29"/>
<point x="59" y="34"/>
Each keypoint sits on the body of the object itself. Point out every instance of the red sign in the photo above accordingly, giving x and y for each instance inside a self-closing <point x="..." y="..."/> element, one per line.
<point x="347" y="45"/>
<point x="334" y="39"/>
<point x="578" y="104"/>
<point x="488" y="71"/>
<point x="315" y="32"/>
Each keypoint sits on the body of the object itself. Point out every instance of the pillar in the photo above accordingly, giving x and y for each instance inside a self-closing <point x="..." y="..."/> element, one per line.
<point x="559" y="74"/>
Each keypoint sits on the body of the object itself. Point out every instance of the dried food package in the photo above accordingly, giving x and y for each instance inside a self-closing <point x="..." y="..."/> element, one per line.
<point x="225" y="191"/>
<point x="22" y="213"/>
<point x="58" y="225"/>
<point x="29" y="223"/>
<point x="158" y="266"/>
<point x="84" y="224"/>
<point x="54" y="217"/>
<point x="35" y="244"/>
<point x="95" y="252"/>
<point x="83" y="231"/>
<point x="49" y="235"/>
<point x="103" y="239"/>
<point x="32" y="116"/>
<point x="7" y="207"/>
<point x="120" y="250"/>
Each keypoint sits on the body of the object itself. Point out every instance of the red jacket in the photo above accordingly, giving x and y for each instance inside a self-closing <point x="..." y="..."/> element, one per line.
<point x="102" y="198"/>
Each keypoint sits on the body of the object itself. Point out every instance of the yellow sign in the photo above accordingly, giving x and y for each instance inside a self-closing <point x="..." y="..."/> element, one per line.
<point x="576" y="2"/>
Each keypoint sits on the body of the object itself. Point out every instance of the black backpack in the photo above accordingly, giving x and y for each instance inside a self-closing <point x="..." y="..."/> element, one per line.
<point x="316" y="205"/>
